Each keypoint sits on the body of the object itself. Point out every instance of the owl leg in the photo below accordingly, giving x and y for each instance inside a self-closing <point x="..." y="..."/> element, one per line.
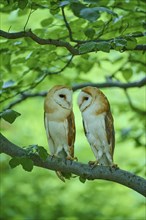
<point x="109" y="158"/>
<point x="98" y="154"/>
<point x="69" y="150"/>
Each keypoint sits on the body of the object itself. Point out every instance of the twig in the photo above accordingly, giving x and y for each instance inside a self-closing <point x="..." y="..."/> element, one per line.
<point x="67" y="25"/>
<point x="30" y="13"/>
<point x="141" y="112"/>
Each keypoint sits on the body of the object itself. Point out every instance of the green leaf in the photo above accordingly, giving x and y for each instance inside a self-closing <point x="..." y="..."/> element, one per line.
<point x="90" y="14"/>
<point x="118" y="44"/>
<point x="76" y="8"/>
<point x="121" y="41"/>
<point x="22" y="3"/>
<point x="9" y="115"/>
<point x="90" y="32"/>
<point x="27" y="164"/>
<point x="87" y="47"/>
<point x="8" y="84"/>
<point x="47" y="22"/>
<point x="131" y="43"/>
<point x="42" y="153"/>
<point x="14" y="162"/>
<point x="82" y="180"/>
<point x="64" y="3"/>
<point x="1" y="84"/>
<point x="127" y="74"/>
<point x="104" y="9"/>
<point x="103" y="46"/>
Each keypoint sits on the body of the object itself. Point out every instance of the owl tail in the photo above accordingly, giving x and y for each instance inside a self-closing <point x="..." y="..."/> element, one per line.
<point x="62" y="176"/>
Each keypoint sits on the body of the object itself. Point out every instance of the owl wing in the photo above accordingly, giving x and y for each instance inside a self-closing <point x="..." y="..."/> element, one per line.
<point x="49" y="138"/>
<point x="71" y="133"/>
<point x="110" y="131"/>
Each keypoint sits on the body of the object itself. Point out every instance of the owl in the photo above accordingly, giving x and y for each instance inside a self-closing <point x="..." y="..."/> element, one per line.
<point x="98" y="124"/>
<point x="59" y="124"/>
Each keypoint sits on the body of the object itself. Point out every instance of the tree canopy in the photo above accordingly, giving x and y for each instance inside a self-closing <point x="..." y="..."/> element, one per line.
<point x="77" y="43"/>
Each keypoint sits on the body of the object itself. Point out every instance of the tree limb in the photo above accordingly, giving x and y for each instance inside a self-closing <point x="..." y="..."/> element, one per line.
<point x="24" y="95"/>
<point x="111" y="84"/>
<point x="57" y="43"/>
<point x="99" y="172"/>
<point x="30" y="34"/>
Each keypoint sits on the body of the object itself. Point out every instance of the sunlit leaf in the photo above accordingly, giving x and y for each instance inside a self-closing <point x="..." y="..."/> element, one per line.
<point x="127" y="73"/>
<point x="47" y="22"/>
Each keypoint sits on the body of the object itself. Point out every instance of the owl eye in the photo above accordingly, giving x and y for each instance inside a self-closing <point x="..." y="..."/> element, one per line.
<point x="62" y="96"/>
<point x="86" y="98"/>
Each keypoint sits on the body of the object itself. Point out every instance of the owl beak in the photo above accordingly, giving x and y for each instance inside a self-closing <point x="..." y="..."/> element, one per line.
<point x="69" y="104"/>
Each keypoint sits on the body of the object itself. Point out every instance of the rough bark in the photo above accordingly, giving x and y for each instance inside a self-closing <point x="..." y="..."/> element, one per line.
<point x="85" y="171"/>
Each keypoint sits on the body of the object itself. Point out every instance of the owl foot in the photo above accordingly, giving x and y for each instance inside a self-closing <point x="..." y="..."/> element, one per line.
<point x="72" y="158"/>
<point x="115" y="166"/>
<point x="93" y="163"/>
<point x="53" y="156"/>
<point x="60" y="176"/>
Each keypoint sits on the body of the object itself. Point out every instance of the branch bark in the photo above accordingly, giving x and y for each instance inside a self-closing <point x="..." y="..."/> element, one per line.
<point x="57" y="43"/>
<point x="120" y="176"/>
<point x="23" y="96"/>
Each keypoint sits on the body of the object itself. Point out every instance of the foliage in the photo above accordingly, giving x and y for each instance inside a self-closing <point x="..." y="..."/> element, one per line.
<point x="72" y="42"/>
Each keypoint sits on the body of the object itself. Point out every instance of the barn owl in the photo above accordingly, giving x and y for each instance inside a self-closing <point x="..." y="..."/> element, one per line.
<point x="98" y="124"/>
<point x="59" y="124"/>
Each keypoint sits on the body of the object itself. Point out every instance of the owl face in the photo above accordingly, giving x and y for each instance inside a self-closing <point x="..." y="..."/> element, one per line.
<point x="59" y="99"/>
<point x="63" y="97"/>
<point x="87" y="97"/>
<point x="84" y="100"/>
<point x="91" y="96"/>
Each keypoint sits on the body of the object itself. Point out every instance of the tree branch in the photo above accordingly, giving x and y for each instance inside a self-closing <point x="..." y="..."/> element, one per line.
<point x="112" y="84"/>
<point x="24" y="95"/>
<point x="99" y="172"/>
<point x="30" y="34"/>
<point x="57" y="43"/>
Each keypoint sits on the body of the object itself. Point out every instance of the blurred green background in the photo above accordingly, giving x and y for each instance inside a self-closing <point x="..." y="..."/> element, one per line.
<point x="40" y="195"/>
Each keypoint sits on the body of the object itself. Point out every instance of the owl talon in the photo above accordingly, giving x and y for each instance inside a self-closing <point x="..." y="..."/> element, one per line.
<point x="115" y="166"/>
<point x="93" y="163"/>
<point x="52" y="156"/>
<point x="72" y="158"/>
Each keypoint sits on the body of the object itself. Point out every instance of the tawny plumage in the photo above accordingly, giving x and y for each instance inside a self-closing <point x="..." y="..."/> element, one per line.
<point x="98" y="124"/>
<point x="59" y="123"/>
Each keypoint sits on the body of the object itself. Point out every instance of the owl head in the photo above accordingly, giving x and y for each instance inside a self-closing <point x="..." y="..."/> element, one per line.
<point x="91" y="96"/>
<point x="59" y="96"/>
